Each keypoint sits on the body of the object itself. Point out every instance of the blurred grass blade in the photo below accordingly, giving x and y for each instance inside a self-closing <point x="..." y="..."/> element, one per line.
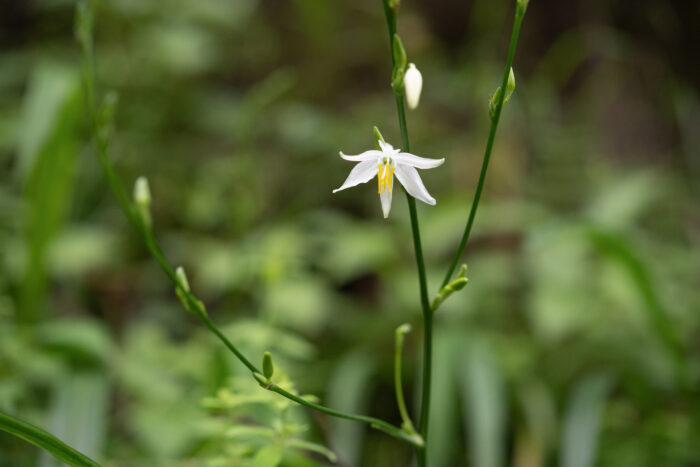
<point x="582" y="421"/>
<point x="348" y="388"/>
<point x="44" y="440"/>
<point x="618" y="249"/>
<point x="47" y="148"/>
<point x="79" y="412"/>
<point x="484" y="407"/>
<point x="444" y="419"/>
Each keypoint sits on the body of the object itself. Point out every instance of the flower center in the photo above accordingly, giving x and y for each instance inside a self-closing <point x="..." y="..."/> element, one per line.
<point x="385" y="175"/>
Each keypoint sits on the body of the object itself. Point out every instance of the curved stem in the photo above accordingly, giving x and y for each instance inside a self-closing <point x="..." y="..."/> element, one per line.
<point x="519" y="14"/>
<point x="147" y="234"/>
<point x="398" y="384"/>
<point x="374" y="422"/>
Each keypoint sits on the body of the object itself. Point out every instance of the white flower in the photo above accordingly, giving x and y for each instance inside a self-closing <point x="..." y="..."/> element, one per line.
<point x="385" y="164"/>
<point x="413" y="84"/>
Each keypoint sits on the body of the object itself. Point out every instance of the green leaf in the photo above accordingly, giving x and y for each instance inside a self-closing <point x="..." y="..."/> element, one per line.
<point x="47" y="149"/>
<point x="269" y="456"/>
<point x="78" y="411"/>
<point x="484" y="407"/>
<point x="660" y="322"/>
<point x="348" y="387"/>
<point x="444" y="419"/>
<point x="44" y="440"/>
<point x="582" y="421"/>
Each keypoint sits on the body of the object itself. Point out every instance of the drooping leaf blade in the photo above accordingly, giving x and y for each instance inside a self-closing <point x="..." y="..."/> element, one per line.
<point x="45" y="440"/>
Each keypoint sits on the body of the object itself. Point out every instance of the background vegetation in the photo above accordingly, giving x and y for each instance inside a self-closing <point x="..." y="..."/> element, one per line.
<point x="575" y="342"/>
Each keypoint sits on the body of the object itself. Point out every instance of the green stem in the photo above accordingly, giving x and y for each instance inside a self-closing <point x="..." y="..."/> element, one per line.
<point x="398" y="385"/>
<point x="388" y="428"/>
<point x="519" y="14"/>
<point x="147" y="234"/>
<point x="422" y="280"/>
<point x="45" y="441"/>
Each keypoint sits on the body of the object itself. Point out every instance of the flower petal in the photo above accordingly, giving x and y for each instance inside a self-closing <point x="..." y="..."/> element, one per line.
<point x="361" y="173"/>
<point x="417" y="162"/>
<point x="409" y="178"/>
<point x="387" y="148"/>
<point x="372" y="154"/>
<point x="385" y="198"/>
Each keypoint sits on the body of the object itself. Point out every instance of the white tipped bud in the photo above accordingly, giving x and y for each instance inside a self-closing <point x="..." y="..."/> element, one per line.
<point x="182" y="277"/>
<point x="413" y="85"/>
<point x="142" y="194"/>
<point x="142" y="201"/>
<point x="510" y="86"/>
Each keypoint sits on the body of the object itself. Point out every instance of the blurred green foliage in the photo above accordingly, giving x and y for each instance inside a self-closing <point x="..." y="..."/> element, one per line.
<point x="574" y="343"/>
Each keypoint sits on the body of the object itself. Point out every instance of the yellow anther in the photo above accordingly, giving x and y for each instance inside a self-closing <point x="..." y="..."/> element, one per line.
<point x="379" y="178"/>
<point x="390" y="179"/>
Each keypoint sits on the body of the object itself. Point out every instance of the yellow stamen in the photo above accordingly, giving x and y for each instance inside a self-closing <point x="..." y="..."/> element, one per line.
<point x="379" y="178"/>
<point x="390" y="179"/>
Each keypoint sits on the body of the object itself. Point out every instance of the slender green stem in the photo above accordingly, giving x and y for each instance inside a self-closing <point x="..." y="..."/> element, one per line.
<point x="519" y="14"/>
<point x="45" y="441"/>
<point x="398" y="385"/>
<point x="422" y="280"/>
<point x="388" y="428"/>
<point x="147" y="234"/>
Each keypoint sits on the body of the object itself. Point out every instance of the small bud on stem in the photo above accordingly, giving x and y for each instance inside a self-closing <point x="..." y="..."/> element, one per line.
<point x="142" y="199"/>
<point x="268" y="367"/>
<point x="413" y="85"/>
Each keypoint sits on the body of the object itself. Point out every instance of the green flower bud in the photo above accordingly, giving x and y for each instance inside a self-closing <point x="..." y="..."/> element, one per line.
<point x="404" y="329"/>
<point x="268" y="368"/>
<point x="510" y="87"/>
<point x="522" y="6"/>
<point x="182" y="277"/>
<point x="449" y="289"/>
<point x="493" y="103"/>
<point x="182" y="290"/>
<point x="377" y="138"/>
<point x="399" y="52"/>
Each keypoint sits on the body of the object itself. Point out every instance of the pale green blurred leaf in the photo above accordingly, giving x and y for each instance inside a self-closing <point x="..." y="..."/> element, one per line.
<point x="484" y="406"/>
<point x="269" y="456"/>
<point x="444" y="413"/>
<point x="80" y="249"/>
<point x="81" y="341"/>
<point x="348" y="387"/>
<point x="78" y="414"/>
<point x="582" y="421"/>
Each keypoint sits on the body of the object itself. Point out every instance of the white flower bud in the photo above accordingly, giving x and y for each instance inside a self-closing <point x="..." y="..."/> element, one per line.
<point x="142" y="200"/>
<point x="142" y="194"/>
<point x="413" y="84"/>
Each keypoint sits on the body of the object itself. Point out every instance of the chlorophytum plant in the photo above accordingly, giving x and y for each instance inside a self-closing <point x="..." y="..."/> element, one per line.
<point x="384" y="162"/>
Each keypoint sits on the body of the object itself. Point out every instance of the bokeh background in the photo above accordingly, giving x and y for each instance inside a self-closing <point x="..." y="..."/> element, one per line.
<point x="575" y="342"/>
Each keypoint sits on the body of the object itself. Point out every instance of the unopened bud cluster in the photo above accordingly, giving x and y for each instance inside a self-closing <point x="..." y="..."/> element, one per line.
<point x="406" y="76"/>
